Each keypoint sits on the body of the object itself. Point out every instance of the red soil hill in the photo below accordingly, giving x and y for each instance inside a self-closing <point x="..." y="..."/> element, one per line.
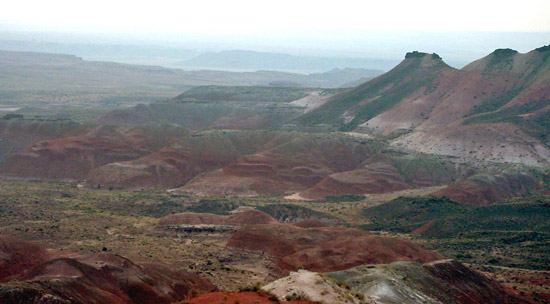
<point x="97" y="278"/>
<point x="326" y="248"/>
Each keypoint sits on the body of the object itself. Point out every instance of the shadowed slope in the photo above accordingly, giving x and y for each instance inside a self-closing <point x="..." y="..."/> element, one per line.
<point x="445" y="281"/>
<point x="17" y="256"/>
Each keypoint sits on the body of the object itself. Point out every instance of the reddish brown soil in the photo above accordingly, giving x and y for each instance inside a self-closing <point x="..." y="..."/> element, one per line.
<point x="248" y="217"/>
<point x="290" y="165"/>
<point x="424" y="227"/>
<point x="96" y="278"/>
<point x="436" y="101"/>
<point x="176" y="164"/>
<point x="538" y="282"/>
<point x="240" y="297"/>
<point x="326" y="248"/>
<point x="17" y="135"/>
<point x="73" y="157"/>
<point x="17" y="256"/>
<point x="456" y="283"/>
<point x="310" y="223"/>
<point x="487" y="80"/>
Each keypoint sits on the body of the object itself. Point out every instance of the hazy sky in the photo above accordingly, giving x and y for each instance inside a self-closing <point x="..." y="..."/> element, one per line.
<point x="254" y="16"/>
<point x="460" y="31"/>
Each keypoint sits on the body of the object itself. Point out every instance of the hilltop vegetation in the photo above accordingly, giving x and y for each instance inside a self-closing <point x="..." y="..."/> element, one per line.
<point x="511" y="234"/>
<point x="239" y="93"/>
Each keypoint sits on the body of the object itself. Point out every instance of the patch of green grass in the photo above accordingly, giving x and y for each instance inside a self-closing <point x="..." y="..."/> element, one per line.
<point x="537" y="125"/>
<point x="294" y="213"/>
<point x="342" y="198"/>
<point x="405" y="214"/>
<point x="424" y="167"/>
<point x="216" y="206"/>
<point x="512" y="234"/>
<point x="243" y="93"/>
<point x="493" y="103"/>
<point x="509" y="114"/>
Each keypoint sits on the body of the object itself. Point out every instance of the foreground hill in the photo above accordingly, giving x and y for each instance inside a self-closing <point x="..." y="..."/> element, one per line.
<point x="494" y="109"/>
<point x="245" y="297"/>
<point x="325" y="248"/>
<point x="18" y="256"/>
<point x="156" y="227"/>
<point x="444" y="281"/>
<point x="95" y="278"/>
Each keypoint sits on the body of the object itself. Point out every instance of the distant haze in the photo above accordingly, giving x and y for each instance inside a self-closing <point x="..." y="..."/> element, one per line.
<point x="384" y="30"/>
<point x="256" y="17"/>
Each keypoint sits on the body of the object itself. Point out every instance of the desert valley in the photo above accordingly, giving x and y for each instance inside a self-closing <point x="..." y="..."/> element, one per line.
<point x="424" y="184"/>
<point x="288" y="152"/>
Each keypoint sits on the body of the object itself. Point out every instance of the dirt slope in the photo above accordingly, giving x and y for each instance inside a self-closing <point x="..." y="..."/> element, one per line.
<point x="97" y="278"/>
<point x="74" y="156"/>
<point x="17" y="256"/>
<point x="376" y="177"/>
<point x="16" y="135"/>
<point x="411" y="77"/>
<point x="444" y="281"/>
<point x="215" y="107"/>
<point x="288" y="164"/>
<point x="176" y="164"/>
<point x="325" y="248"/>
<point x="237" y="297"/>
<point x="313" y="286"/>
<point x="248" y="217"/>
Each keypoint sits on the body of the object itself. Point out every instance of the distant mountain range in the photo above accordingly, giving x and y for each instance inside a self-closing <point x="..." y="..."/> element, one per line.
<point x="29" y="77"/>
<point x="251" y="60"/>
<point x="125" y="53"/>
<point x="234" y="60"/>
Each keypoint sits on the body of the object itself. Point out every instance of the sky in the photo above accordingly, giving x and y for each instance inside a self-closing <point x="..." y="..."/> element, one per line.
<point x="253" y="16"/>
<point x="460" y="31"/>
